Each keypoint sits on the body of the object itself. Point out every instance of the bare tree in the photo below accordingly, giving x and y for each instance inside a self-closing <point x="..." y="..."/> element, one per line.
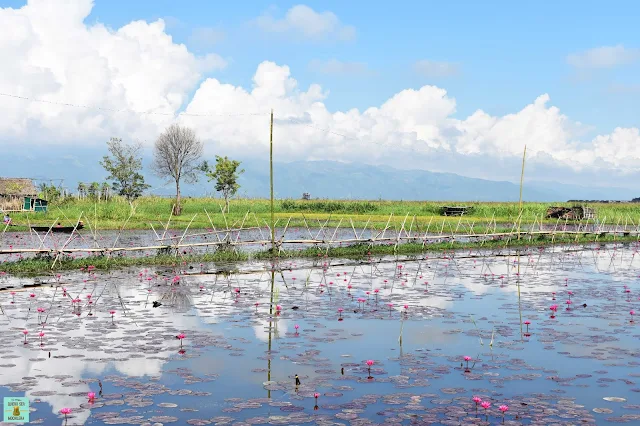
<point x="176" y="156"/>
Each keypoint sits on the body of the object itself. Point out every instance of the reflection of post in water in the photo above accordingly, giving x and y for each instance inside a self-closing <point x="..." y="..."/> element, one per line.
<point x="273" y="277"/>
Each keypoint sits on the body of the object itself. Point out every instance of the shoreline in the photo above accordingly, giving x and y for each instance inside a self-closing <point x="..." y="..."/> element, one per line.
<point x="43" y="265"/>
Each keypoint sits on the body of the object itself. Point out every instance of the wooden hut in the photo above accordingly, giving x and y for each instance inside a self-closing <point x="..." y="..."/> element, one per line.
<point x="20" y="194"/>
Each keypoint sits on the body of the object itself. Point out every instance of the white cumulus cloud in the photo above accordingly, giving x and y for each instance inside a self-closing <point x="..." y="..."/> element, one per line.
<point x="411" y="122"/>
<point x="51" y="54"/>
<point x="138" y="70"/>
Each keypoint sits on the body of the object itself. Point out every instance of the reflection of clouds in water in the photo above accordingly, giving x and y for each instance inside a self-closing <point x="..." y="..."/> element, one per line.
<point x="279" y="328"/>
<point x="447" y="279"/>
<point x="82" y="330"/>
<point x="222" y="296"/>
<point x="62" y="366"/>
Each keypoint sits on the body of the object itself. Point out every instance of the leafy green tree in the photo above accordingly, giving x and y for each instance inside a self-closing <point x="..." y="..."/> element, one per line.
<point x="49" y="192"/>
<point x="94" y="190"/>
<point x="124" y="166"/>
<point x="226" y="175"/>
<point x="82" y="190"/>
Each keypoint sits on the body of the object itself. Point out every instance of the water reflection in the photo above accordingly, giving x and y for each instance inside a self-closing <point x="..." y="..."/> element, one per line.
<point x="455" y="306"/>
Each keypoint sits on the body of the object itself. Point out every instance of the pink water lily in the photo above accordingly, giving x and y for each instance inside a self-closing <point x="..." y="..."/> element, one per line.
<point x="504" y="409"/>
<point x="467" y="358"/>
<point x="477" y="400"/>
<point x="369" y="363"/>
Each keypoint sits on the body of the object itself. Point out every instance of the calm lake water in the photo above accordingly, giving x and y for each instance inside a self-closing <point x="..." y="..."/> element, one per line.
<point x="238" y="361"/>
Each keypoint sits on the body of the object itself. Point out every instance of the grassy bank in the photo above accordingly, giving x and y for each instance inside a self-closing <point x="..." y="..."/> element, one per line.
<point x="155" y="210"/>
<point x="40" y="266"/>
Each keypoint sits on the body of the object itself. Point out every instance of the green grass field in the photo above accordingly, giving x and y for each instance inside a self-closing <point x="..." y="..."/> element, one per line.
<point x="154" y="210"/>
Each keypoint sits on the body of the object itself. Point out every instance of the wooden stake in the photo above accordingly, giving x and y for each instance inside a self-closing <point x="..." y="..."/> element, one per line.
<point x="273" y="226"/>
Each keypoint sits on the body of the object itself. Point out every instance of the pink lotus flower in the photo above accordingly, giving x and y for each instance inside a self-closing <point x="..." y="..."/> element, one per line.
<point x="181" y="336"/>
<point x="503" y="408"/>
<point x="477" y="400"/>
<point x="467" y="358"/>
<point x="65" y="411"/>
<point x="369" y="364"/>
<point x="91" y="396"/>
<point x="485" y="404"/>
<point x="316" y="395"/>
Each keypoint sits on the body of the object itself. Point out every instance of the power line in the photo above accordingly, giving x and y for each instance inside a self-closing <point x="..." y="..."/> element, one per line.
<point x="89" y="107"/>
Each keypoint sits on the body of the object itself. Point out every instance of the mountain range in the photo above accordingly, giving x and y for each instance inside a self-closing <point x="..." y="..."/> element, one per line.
<point x="322" y="179"/>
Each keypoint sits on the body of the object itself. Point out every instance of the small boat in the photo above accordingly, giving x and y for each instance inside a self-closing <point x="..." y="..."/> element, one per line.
<point x="57" y="228"/>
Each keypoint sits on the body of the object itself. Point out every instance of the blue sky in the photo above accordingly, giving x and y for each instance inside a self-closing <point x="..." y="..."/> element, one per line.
<point x="508" y="53"/>
<point x="497" y="57"/>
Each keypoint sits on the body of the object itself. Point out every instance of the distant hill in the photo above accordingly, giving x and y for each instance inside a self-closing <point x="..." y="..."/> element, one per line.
<point x="322" y="179"/>
<point x="328" y="179"/>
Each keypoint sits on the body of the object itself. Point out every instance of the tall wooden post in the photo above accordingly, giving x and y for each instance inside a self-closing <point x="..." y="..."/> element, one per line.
<point x="524" y="155"/>
<point x="273" y="230"/>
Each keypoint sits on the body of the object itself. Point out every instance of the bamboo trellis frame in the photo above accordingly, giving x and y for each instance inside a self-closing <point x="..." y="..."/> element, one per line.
<point x="325" y="237"/>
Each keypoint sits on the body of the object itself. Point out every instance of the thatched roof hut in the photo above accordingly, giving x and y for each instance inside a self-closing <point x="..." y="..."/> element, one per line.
<point x="17" y="187"/>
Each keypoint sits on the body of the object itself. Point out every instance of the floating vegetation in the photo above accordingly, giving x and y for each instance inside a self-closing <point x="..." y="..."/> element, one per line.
<point x="310" y="341"/>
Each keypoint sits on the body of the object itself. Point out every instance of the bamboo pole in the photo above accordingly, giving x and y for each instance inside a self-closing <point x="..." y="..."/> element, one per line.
<point x="524" y="155"/>
<point x="273" y="226"/>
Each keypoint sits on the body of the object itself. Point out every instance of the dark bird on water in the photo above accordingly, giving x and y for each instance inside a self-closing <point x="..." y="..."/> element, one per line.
<point x="295" y="308"/>
<point x="156" y="304"/>
<point x="297" y="380"/>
